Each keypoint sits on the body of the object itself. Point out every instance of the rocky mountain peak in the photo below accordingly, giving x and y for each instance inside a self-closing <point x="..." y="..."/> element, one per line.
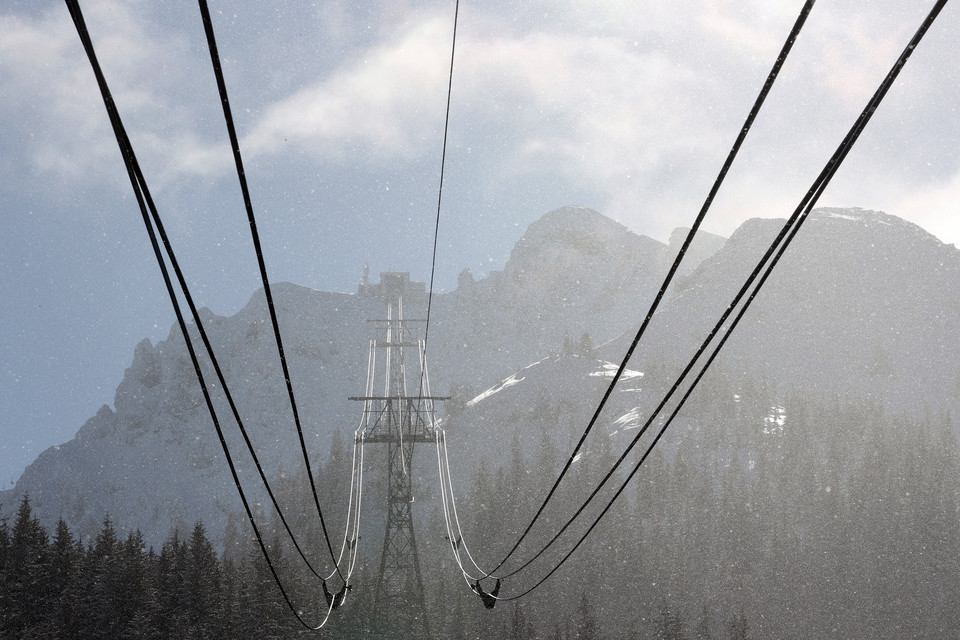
<point x="862" y="303"/>
<point x="578" y="231"/>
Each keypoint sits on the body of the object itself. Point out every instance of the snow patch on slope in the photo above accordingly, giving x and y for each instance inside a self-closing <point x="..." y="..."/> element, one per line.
<point x="500" y="386"/>
<point x="629" y="420"/>
<point x="774" y="421"/>
<point x="609" y="369"/>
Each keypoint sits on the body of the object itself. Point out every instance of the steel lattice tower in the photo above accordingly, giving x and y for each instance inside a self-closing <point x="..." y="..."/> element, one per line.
<point x="400" y="420"/>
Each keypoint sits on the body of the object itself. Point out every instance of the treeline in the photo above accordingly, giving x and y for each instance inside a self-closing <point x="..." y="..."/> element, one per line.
<point x="761" y="514"/>
<point x="112" y="587"/>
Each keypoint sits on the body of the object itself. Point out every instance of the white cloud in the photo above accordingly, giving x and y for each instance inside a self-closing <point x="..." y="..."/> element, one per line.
<point x="382" y="104"/>
<point x="936" y="208"/>
<point x="46" y="73"/>
<point x="637" y="105"/>
<point x="576" y="103"/>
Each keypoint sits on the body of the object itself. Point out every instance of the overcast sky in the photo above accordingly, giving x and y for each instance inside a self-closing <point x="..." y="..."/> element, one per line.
<point x="625" y="107"/>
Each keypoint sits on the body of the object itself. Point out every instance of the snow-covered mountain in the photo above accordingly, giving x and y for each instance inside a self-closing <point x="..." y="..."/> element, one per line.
<point x="862" y="303"/>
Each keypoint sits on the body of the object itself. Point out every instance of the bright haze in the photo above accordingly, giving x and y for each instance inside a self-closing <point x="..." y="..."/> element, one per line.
<point x="628" y="108"/>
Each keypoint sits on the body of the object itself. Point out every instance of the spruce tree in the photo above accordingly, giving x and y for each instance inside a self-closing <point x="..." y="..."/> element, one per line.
<point x="134" y="588"/>
<point x="27" y="596"/>
<point x="739" y="629"/>
<point x="203" y="585"/>
<point x="172" y="593"/>
<point x="670" y="623"/>
<point x="109" y="596"/>
<point x="520" y="628"/>
<point x="585" y="626"/>
<point x="65" y="563"/>
<point x="4" y="572"/>
<point x="703" y="626"/>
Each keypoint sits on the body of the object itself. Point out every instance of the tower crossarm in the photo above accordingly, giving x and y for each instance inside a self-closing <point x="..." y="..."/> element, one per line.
<point x="396" y="421"/>
<point x="408" y="398"/>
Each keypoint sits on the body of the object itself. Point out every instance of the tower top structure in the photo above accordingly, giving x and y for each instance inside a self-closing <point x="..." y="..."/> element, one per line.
<point x="393" y="286"/>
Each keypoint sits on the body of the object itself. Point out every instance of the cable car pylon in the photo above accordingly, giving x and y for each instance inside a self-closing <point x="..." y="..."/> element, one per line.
<point x="400" y="420"/>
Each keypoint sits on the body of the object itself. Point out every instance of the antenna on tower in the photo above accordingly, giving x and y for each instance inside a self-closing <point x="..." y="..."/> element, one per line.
<point x="400" y="421"/>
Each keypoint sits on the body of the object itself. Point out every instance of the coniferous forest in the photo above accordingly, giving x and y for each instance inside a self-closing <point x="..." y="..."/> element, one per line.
<point x="763" y="515"/>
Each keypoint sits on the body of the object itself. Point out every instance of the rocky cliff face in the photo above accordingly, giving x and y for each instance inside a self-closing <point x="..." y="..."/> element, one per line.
<point x="863" y="303"/>
<point x="574" y="271"/>
<point x="154" y="462"/>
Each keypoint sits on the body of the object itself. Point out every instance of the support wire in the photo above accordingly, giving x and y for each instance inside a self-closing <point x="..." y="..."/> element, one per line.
<point x="248" y="205"/>
<point x="751" y="116"/>
<point x="779" y="245"/>
<point x="141" y="193"/>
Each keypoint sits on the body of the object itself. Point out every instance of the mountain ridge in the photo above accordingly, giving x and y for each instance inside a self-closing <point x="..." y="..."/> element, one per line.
<point x="152" y="462"/>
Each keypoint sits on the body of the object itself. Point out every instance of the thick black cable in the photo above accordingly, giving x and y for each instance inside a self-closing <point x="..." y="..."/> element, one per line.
<point x="213" y="359"/>
<point x="751" y="116"/>
<point x="139" y="188"/>
<point x="248" y="205"/>
<point x="783" y="240"/>
<point x="168" y="247"/>
<point x="443" y="164"/>
<point x="164" y="238"/>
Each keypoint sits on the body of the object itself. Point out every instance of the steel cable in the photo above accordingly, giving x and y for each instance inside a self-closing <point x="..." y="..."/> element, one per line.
<point x="248" y="205"/>
<point x="766" y="266"/>
<point x="141" y="193"/>
<point x="751" y="116"/>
